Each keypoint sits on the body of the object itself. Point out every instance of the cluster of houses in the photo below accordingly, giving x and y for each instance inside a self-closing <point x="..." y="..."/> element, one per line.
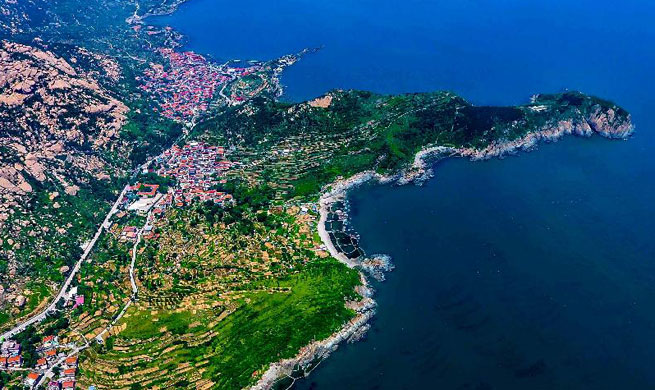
<point x="140" y="198"/>
<point x="197" y="167"/>
<point x="187" y="87"/>
<point x="67" y="377"/>
<point x="190" y="83"/>
<point x="10" y="355"/>
<point x="129" y="233"/>
<point x="10" y="358"/>
<point x="50" y="356"/>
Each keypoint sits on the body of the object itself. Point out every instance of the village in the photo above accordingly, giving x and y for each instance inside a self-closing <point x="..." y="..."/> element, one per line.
<point x="188" y="87"/>
<point x="59" y="360"/>
<point x="189" y="84"/>
<point x="197" y="168"/>
<point x="96" y="295"/>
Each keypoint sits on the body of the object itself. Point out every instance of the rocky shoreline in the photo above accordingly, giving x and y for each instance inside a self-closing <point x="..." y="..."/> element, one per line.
<point x="599" y="122"/>
<point x="163" y="10"/>
<point x="309" y="356"/>
<point x="301" y="365"/>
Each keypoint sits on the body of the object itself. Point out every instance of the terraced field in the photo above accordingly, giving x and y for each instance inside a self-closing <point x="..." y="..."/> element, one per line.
<point x="217" y="303"/>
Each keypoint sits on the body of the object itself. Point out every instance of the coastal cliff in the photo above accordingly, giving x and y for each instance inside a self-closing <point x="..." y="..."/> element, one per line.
<point x="605" y="120"/>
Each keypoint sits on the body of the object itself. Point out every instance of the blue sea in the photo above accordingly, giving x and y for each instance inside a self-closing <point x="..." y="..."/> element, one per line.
<point x="530" y="272"/>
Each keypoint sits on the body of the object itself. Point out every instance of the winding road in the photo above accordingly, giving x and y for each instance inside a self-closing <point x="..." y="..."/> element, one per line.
<point x="21" y="326"/>
<point x="49" y="373"/>
<point x="64" y="288"/>
<point x="135" y="288"/>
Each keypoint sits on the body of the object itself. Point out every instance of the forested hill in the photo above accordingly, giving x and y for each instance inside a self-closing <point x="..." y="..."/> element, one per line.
<point x="345" y="132"/>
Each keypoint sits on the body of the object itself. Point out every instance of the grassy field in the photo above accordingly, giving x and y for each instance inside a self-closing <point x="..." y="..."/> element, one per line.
<point x="248" y="289"/>
<point x="275" y="326"/>
<point x="271" y="320"/>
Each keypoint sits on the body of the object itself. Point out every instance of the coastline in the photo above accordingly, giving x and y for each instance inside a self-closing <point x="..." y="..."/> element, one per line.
<point x="163" y="10"/>
<point x="366" y="314"/>
<point x="418" y="172"/>
<point x="311" y="355"/>
<point x="353" y="330"/>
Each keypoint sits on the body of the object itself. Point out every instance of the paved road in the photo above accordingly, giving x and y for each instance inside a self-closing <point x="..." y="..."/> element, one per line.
<point x="105" y="225"/>
<point x="64" y="288"/>
<point x="49" y="374"/>
<point x="135" y="288"/>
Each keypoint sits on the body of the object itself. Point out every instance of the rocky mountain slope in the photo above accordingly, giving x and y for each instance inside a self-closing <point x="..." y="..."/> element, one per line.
<point x="71" y="126"/>
<point x="52" y="108"/>
<point x="60" y="149"/>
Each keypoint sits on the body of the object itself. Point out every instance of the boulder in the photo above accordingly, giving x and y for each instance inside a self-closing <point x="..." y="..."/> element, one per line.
<point x="20" y="301"/>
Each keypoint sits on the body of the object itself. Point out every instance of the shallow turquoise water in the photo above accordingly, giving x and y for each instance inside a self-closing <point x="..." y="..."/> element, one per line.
<point x="532" y="272"/>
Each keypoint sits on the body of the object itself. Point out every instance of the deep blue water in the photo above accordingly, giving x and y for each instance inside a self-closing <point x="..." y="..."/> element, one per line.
<point x="532" y="272"/>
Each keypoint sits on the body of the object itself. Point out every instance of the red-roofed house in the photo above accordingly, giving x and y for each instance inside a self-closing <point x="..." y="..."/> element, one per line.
<point x="50" y="354"/>
<point x="70" y="373"/>
<point x="68" y="385"/>
<point x="32" y="378"/>
<point x="14" y="361"/>
<point x="42" y="364"/>
<point x="71" y="361"/>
